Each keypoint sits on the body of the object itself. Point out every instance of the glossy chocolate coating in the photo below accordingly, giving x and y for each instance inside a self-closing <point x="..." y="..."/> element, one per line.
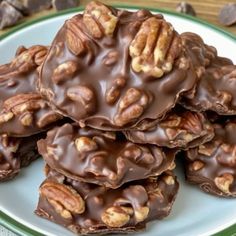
<point x="104" y="71"/>
<point x="179" y="129"/>
<point x="213" y="165"/>
<point x="16" y="153"/>
<point x="216" y="89"/>
<point x="101" y="157"/>
<point x="23" y="112"/>
<point x="155" y="194"/>
<point x="201" y="54"/>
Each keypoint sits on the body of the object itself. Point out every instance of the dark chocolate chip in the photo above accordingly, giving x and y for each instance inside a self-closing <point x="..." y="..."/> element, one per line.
<point x="186" y="8"/>
<point x="62" y="4"/>
<point x="36" y="6"/>
<point x="9" y="15"/>
<point x="227" y="15"/>
<point x="18" y="4"/>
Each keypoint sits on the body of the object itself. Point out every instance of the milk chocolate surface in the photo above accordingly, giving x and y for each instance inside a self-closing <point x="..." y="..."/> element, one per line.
<point x="114" y="71"/>
<point x="213" y="165"/>
<point x="103" y="158"/>
<point x="23" y="112"/>
<point x="91" y="209"/>
<point x="179" y="129"/>
<point x="16" y="153"/>
<point x="215" y="90"/>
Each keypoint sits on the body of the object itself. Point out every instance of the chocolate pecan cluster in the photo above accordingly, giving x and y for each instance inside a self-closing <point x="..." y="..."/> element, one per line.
<point x="24" y="114"/>
<point x="135" y="93"/>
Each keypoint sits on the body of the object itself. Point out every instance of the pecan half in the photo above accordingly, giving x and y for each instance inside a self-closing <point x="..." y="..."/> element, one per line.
<point x="224" y="181"/>
<point x="76" y="39"/>
<point x="99" y="19"/>
<point x="155" y="47"/>
<point x="115" y="217"/>
<point x="65" y="71"/>
<point x="85" y="144"/>
<point x="131" y="106"/>
<point x="64" y="199"/>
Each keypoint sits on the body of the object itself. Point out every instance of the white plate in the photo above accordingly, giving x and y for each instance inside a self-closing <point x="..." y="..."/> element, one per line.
<point x="194" y="213"/>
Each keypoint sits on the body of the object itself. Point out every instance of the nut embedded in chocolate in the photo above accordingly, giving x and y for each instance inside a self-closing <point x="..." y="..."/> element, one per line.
<point x="213" y="165"/>
<point x="105" y="210"/>
<point x="201" y="54"/>
<point x="104" y="71"/>
<point x="99" y="157"/>
<point x="215" y="90"/>
<point x="179" y="129"/>
<point x="23" y="111"/>
<point x="16" y="153"/>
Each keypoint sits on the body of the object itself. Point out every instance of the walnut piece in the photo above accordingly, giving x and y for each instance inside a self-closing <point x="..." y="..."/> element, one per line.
<point x="64" y="199"/>
<point x="155" y="47"/>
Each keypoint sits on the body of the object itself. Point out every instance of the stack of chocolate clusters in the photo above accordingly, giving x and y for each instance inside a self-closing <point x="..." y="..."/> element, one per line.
<point x="24" y="114"/>
<point x="138" y="93"/>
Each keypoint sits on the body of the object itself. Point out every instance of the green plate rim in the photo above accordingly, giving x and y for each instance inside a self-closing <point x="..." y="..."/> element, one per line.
<point x="21" y="229"/>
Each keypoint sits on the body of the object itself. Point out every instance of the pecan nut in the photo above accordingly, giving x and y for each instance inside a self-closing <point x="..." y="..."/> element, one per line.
<point x="99" y="19"/>
<point x="76" y="39"/>
<point x="131" y="106"/>
<point x="64" y="71"/>
<point x="155" y="47"/>
<point x="224" y="182"/>
<point x="115" y="217"/>
<point x="84" y="96"/>
<point x="85" y="144"/>
<point x="64" y="199"/>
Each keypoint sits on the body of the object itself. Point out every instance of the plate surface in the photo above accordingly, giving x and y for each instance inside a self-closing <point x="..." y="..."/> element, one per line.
<point x="194" y="213"/>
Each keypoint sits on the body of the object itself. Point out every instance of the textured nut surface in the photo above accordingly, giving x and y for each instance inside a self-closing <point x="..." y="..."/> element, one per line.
<point x="224" y="182"/>
<point x="141" y="214"/>
<point x="154" y="48"/>
<point x="66" y="200"/>
<point x="76" y="40"/>
<point x="64" y="71"/>
<point x="99" y="19"/>
<point x="115" y="217"/>
<point x="84" y="96"/>
<point x="131" y="106"/>
<point x="197" y="165"/>
<point x="85" y="144"/>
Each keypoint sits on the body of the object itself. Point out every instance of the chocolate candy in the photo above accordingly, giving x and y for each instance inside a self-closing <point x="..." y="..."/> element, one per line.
<point x="62" y="5"/>
<point x="91" y="209"/>
<point x="216" y="89"/>
<point x="186" y="8"/>
<point x="180" y="128"/>
<point x="33" y="6"/>
<point x="227" y="15"/>
<point x="23" y="112"/>
<point x="112" y="69"/>
<point x="8" y="15"/>
<point x="201" y="54"/>
<point x="213" y="165"/>
<point x="16" y="153"/>
<point x="101" y="157"/>
<point x="19" y="5"/>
